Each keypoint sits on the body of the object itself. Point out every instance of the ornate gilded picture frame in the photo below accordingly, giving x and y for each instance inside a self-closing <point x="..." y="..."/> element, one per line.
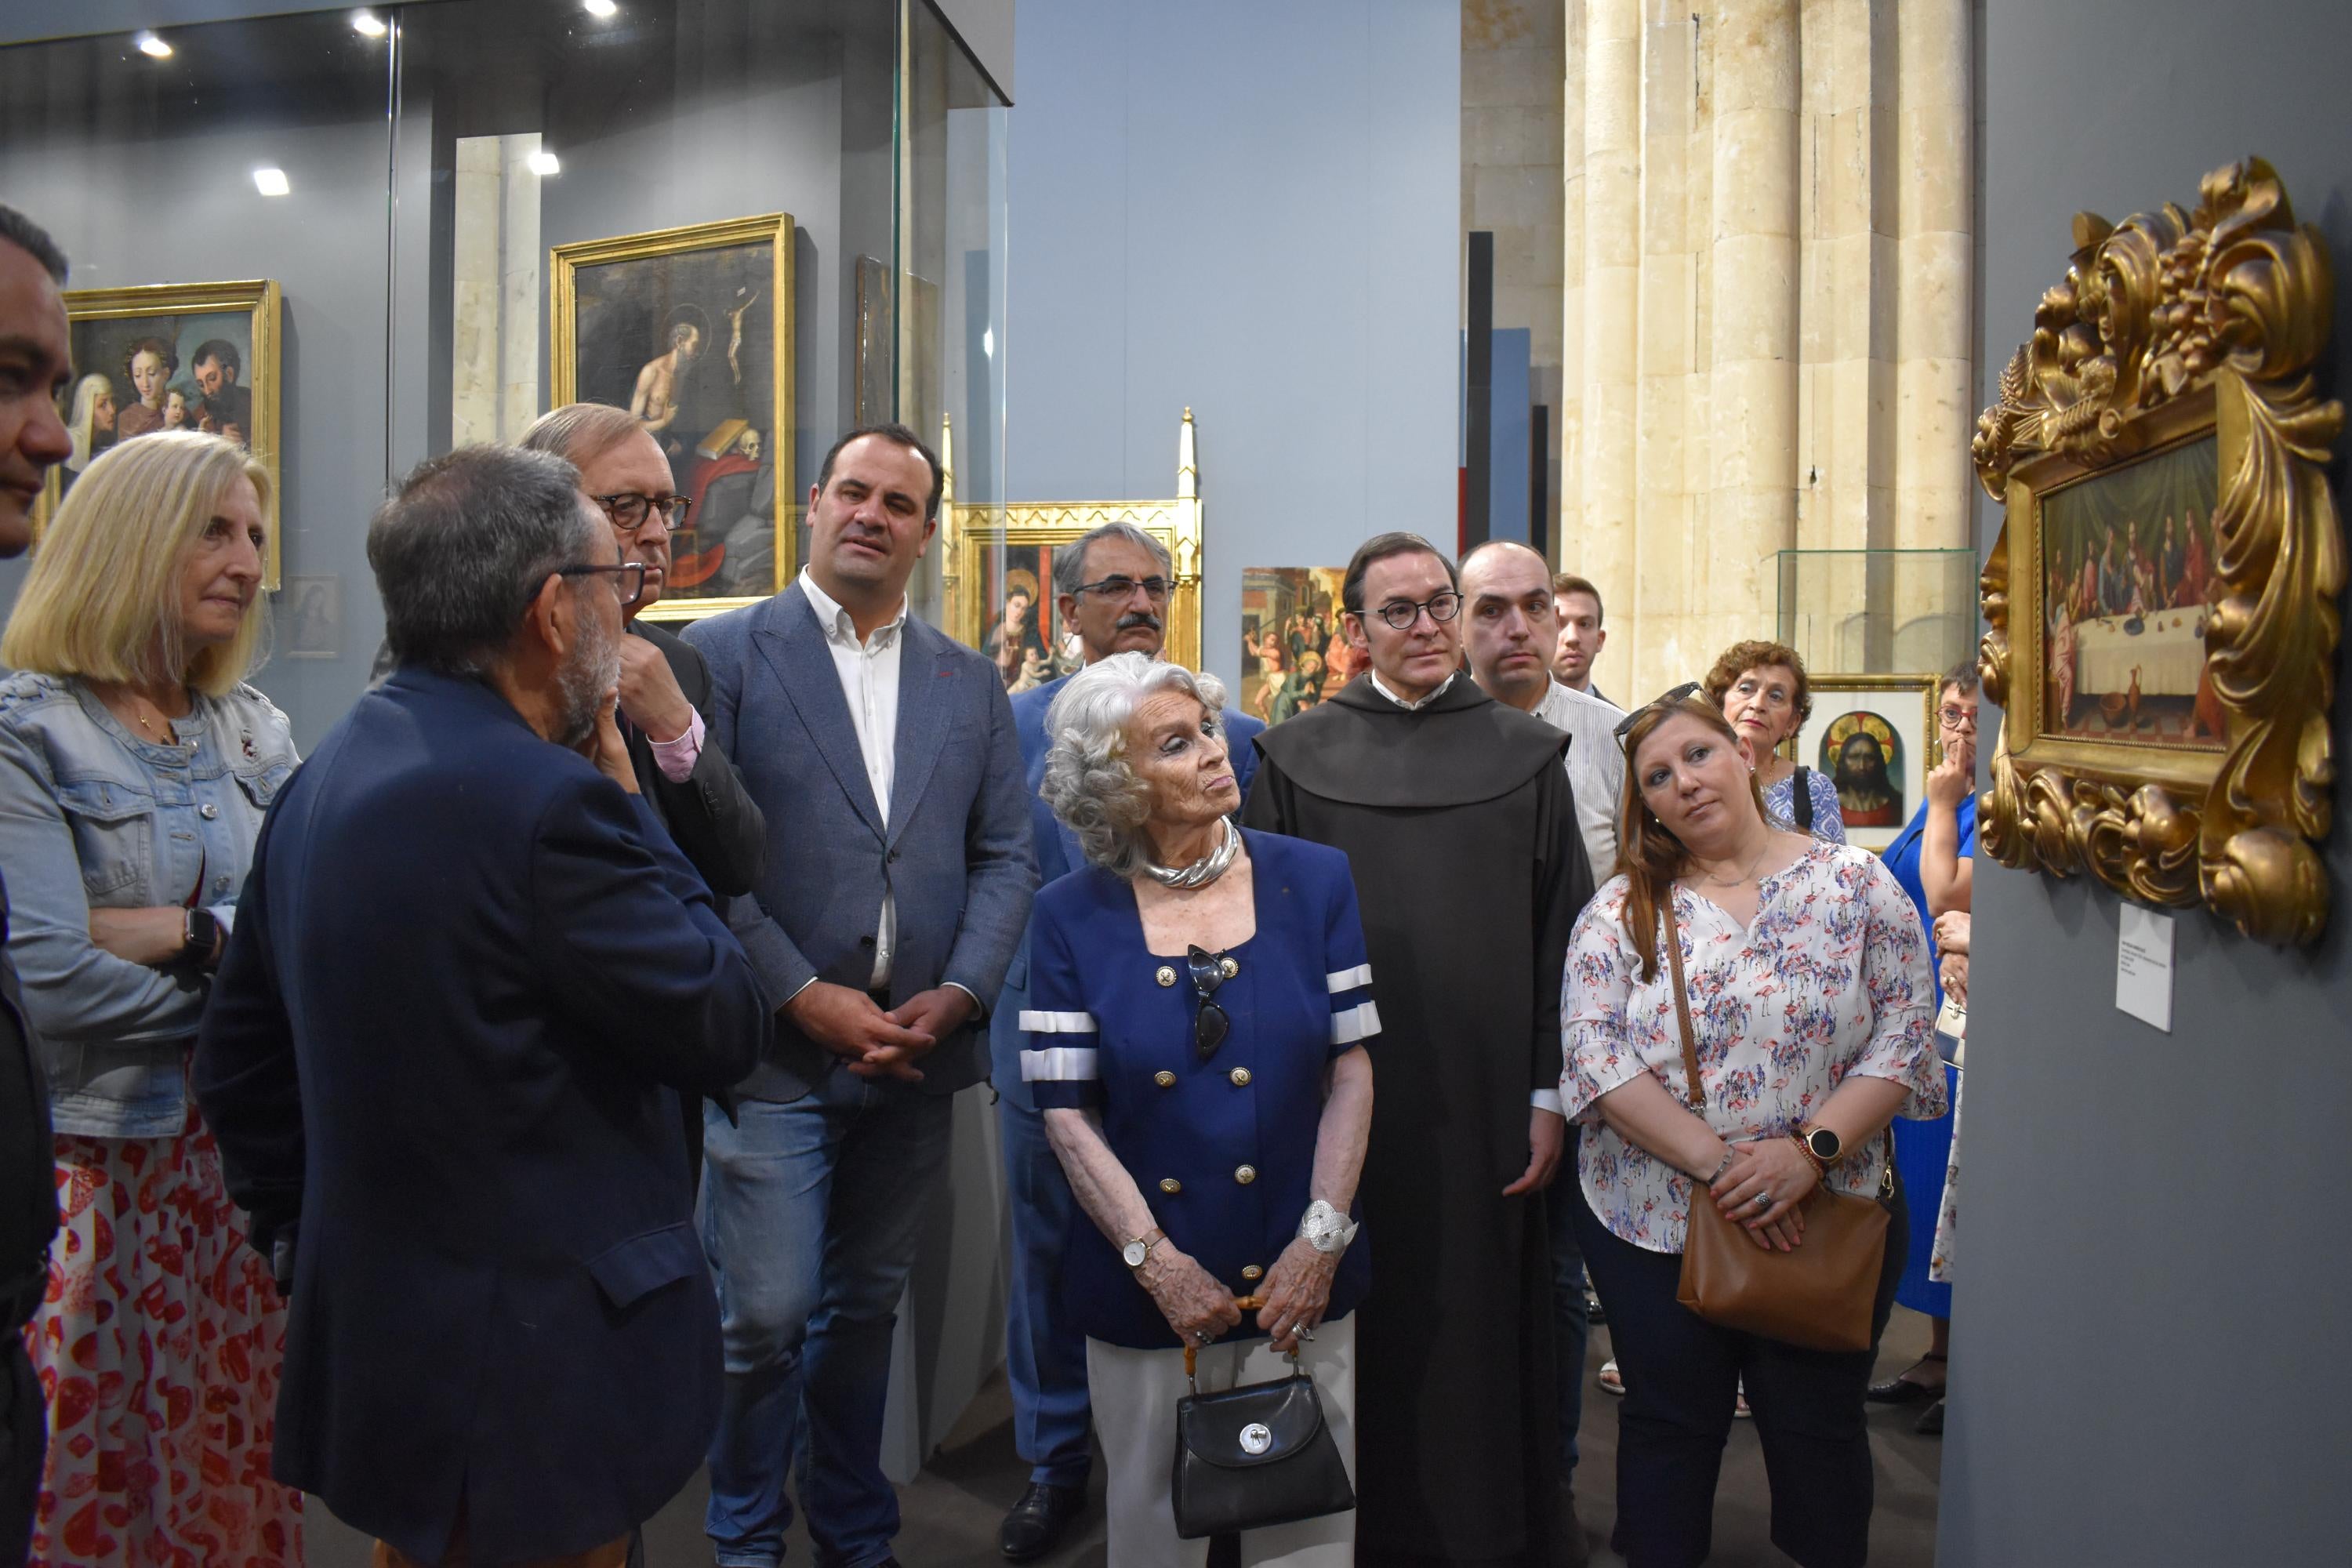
<point x="2161" y="602"/>
<point x="691" y="329"/>
<point x="195" y="356"/>
<point x="998" y="579"/>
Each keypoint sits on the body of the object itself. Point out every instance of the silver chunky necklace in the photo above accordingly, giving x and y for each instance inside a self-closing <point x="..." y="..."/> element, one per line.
<point x="1204" y="870"/>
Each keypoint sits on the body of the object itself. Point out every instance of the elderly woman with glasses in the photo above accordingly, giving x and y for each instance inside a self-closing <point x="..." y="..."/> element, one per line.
<point x="1806" y="973"/>
<point x="1199" y="1002"/>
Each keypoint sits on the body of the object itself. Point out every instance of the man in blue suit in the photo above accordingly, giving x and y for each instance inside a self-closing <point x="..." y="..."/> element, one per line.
<point x="1113" y="585"/>
<point x="470" y="971"/>
<point x="899" y="879"/>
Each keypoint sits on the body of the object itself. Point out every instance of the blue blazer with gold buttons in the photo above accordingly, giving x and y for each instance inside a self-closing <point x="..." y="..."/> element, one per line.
<point x="1222" y="1149"/>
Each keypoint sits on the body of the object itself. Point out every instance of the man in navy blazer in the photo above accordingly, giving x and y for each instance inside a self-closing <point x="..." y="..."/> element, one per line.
<point x="468" y="971"/>
<point x="1112" y="585"/>
<point x="897" y="882"/>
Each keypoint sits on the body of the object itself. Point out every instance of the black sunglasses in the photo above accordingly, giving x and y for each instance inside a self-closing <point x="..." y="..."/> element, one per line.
<point x="1673" y="699"/>
<point x="1211" y="1026"/>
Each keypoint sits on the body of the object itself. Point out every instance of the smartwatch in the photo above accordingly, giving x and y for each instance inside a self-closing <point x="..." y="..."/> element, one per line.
<point x="1822" y="1144"/>
<point x="200" y="934"/>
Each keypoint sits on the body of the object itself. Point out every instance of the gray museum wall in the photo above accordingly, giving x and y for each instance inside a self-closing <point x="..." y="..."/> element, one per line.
<point x="2148" y="1361"/>
<point x="1252" y="210"/>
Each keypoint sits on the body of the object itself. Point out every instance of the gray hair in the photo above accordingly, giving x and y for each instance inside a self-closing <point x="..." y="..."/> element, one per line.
<point x="1070" y="559"/>
<point x="465" y="542"/>
<point x="1088" y="781"/>
<point x="579" y="431"/>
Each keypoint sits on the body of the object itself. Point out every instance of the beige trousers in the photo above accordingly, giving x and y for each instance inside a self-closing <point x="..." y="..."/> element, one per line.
<point x="1134" y="1394"/>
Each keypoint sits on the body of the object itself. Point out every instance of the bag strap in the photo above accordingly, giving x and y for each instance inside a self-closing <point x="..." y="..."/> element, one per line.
<point x="1800" y="798"/>
<point x="1682" y="1002"/>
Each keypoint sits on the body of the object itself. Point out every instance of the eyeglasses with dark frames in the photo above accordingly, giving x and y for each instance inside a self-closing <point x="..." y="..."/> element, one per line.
<point x="1155" y="589"/>
<point x="1402" y="613"/>
<point x="1674" y="698"/>
<point x="1209" y="1026"/>
<point x="629" y="581"/>
<point x="628" y="509"/>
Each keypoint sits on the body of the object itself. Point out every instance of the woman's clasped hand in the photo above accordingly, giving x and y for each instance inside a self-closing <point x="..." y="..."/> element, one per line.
<point x="1764" y="1188"/>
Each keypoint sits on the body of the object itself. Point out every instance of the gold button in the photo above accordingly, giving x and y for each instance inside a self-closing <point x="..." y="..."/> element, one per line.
<point x="1167" y="976"/>
<point x="1164" y="1079"/>
<point x="1245" y="1174"/>
<point x="1229" y="968"/>
<point x="1253" y="1272"/>
<point x="1171" y="1184"/>
<point x="1241" y="1077"/>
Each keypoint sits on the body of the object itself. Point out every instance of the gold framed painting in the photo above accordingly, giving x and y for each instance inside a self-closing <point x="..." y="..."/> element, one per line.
<point x="1874" y="737"/>
<point x="999" y="575"/>
<point x="172" y="356"/>
<point x="691" y="330"/>
<point x="2161" y="601"/>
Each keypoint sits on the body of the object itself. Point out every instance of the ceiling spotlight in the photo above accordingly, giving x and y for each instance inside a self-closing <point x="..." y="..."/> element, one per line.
<point x="272" y="182"/>
<point x="368" y="25"/>
<point x="544" y="163"/>
<point x="599" y="8"/>
<point x="153" y="48"/>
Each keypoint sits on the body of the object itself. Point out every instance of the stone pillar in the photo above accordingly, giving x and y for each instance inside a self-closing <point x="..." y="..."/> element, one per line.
<point x="1667" y="553"/>
<point x="1568" y="552"/>
<point x="1933" y="413"/>
<point x="1604" y="536"/>
<point x="1754" y="320"/>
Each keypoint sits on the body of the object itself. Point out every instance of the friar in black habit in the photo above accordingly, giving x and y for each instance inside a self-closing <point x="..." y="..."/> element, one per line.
<point x="1459" y="823"/>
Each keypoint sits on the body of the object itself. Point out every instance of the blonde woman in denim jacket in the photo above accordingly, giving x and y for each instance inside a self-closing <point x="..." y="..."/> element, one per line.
<point x="135" y="769"/>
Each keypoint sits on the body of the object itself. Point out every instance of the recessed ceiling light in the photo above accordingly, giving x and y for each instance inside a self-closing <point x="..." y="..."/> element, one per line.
<point x="272" y="182"/>
<point x="152" y="47"/>
<point x="368" y="25"/>
<point x="544" y="163"/>
<point x="599" y="8"/>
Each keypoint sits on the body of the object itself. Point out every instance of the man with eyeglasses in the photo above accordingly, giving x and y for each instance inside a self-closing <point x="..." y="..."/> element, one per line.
<point x="1113" y="585"/>
<point x="469" y="976"/>
<point x="1461" y="826"/>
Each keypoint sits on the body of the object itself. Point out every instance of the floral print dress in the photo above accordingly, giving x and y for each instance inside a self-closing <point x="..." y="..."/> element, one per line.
<point x="1830" y="979"/>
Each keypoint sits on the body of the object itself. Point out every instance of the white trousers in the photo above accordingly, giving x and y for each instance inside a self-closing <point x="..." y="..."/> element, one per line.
<point x="1134" y="1394"/>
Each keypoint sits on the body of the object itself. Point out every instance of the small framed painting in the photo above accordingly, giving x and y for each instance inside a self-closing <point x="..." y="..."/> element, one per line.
<point x="1875" y="738"/>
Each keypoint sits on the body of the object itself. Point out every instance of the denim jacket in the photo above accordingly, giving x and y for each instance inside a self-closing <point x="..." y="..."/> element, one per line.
<point x="93" y="815"/>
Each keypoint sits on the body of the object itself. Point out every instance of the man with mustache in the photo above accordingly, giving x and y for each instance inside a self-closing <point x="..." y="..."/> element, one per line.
<point x="1113" y="585"/>
<point x="35" y="367"/>
<point x="899" y="879"/>
<point x="1460" y="824"/>
<point x="469" y="977"/>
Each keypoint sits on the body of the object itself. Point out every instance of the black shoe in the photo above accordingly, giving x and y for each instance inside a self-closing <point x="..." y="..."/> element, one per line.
<point x="1901" y="1390"/>
<point x="1592" y="1312"/>
<point x="1931" y="1421"/>
<point x="1036" y="1525"/>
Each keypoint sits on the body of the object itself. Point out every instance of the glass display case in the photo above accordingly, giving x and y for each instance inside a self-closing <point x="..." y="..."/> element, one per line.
<point x="1858" y="612"/>
<point x="759" y="223"/>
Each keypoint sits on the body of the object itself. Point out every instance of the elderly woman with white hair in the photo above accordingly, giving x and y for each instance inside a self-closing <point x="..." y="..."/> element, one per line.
<point x="1200" y="1000"/>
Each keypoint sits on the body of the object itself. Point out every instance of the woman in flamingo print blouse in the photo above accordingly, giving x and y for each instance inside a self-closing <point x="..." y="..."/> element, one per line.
<point x="1811" y="999"/>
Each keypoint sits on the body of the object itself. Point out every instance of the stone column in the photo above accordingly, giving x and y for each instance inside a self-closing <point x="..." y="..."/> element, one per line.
<point x="1603" y="548"/>
<point x="1934" y="417"/>
<point x="1753" y="315"/>
<point x="1569" y="545"/>
<point x="1665" y="552"/>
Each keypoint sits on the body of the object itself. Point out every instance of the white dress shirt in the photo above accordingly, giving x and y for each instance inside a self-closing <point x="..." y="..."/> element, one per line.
<point x="1596" y="768"/>
<point x="868" y="667"/>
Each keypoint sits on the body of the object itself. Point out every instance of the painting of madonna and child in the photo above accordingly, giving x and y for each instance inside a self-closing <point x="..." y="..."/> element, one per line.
<point x="2127" y="574"/>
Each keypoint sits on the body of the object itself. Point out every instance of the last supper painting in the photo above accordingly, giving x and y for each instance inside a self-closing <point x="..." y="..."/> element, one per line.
<point x="2127" y="580"/>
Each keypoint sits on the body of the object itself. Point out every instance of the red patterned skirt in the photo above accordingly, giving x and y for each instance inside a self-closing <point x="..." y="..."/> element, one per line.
<point x="159" y="1348"/>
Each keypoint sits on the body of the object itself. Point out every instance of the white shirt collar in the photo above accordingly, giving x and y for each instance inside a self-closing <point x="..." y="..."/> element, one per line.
<point x="1382" y="686"/>
<point x="838" y="627"/>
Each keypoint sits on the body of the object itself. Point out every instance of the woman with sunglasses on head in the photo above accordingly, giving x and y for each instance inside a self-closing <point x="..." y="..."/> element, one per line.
<point x="1811" y="1010"/>
<point x="1933" y="858"/>
<point x="1199" y="1001"/>
<point x="135" y="766"/>
<point x="1761" y="689"/>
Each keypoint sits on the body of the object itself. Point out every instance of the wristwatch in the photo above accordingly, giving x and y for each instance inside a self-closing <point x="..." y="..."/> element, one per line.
<point x="200" y="935"/>
<point x="1325" y="1228"/>
<point x="1136" y="1251"/>
<point x="1823" y="1145"/>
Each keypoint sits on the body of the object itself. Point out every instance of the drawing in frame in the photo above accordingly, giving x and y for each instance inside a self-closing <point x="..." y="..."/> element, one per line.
<point x="2161" y="602"/>
<point x="1874" y="737"/>
<point x="691" y="330"/>
<point x="194" y="357"/>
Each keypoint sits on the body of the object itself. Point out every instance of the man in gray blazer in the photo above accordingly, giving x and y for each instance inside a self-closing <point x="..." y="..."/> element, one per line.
<point x="897" y="882"/>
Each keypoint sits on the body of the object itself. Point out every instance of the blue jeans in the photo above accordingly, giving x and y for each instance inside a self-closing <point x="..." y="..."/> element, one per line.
<point x="1044" y="1355"/>
<point x="810" y="1212"/>
<point x="1573" y="1326"/>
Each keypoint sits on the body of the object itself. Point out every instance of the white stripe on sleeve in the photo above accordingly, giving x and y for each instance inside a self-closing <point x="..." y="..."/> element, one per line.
<point x="1057" y="1023"/>
<point x="1354" y="1024"/>
<point x="1060" y="1064"/>
<point x="1340" y="980"/>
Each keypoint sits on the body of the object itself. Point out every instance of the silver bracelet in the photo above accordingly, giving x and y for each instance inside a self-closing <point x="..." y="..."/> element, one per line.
<point x="1729" y="1155"/>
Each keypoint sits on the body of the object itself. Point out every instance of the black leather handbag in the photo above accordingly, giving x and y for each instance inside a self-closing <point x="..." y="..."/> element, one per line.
<point x="1254" y="1455"/>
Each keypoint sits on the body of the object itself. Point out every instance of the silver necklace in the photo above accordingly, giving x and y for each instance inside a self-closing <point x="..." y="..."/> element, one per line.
<point x="1743" y="876"/>
<point x="1204" y="870"/>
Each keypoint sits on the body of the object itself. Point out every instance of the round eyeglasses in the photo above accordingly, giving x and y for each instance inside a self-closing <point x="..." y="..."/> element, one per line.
<point x="1401" y="614"/>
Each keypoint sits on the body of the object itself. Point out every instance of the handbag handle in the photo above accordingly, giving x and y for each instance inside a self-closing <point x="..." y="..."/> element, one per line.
<point x="1690" y="1044"/>
<point x="1192" y="1351"/>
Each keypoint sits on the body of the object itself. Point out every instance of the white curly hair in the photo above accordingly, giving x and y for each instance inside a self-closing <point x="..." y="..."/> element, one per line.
<point x="1088" y="781"/>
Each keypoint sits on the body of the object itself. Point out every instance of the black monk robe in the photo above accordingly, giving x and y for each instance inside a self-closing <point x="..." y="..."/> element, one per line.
<point x="1458" y="822"/>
